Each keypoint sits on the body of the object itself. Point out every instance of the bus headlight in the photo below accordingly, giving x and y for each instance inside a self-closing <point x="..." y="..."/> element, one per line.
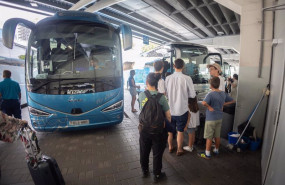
<point x="114" y="106"/>
<point x="37" y="112"/>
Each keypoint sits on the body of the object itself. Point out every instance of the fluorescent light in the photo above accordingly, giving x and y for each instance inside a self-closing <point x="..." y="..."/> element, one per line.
<point x="34" y="4"/>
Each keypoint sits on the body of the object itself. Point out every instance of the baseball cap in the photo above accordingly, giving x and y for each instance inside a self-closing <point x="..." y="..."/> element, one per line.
<point x="216" y="65"/>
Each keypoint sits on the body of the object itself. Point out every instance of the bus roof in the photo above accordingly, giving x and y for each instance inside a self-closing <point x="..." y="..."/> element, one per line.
<point x="74" y="15"/>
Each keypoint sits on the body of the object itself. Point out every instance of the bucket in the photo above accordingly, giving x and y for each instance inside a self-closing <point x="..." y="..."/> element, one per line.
<point x="232" y="139"/>
<point x="244" y="143"/>
<point x="254" y="144"/>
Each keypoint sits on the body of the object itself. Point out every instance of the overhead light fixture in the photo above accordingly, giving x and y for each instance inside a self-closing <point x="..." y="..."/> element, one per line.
<point x="33" y="4"/>
<point x="220" y="33"/>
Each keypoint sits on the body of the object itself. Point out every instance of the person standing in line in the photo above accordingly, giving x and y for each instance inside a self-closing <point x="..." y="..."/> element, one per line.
<point x="10" y="93"/>
<point x="214" y="101"/>
<point x="234" y="84"/>
<point x="133" y="90"/>
<point x="192" y="122"/>
<point x="153" y="134"/>
<point x="215" y="70"/>
<point x="158" y="67"/>
<point x="179" y="88"/>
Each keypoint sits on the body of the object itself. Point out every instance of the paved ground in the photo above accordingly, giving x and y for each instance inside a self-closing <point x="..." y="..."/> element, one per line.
<point x="111" y="156"/>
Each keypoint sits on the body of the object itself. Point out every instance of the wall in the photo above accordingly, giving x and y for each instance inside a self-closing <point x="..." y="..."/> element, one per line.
<point x="233" y="41"/>
<point x="250" y="86"/>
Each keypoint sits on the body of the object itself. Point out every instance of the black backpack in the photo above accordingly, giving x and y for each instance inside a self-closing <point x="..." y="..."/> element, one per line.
<point x="152" y="116"/>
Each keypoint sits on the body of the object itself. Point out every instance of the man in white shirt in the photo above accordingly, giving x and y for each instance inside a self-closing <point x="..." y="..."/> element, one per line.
<point x="158" y="67"/>
<point x="179" y="88"/>
<point x="215" y="70"/>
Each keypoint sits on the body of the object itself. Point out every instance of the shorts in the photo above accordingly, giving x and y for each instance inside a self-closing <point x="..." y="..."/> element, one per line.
<point x="191" y="130"/>
<point x="133" y="91"/>
<point x="179" y="122"/>
<point x="212" y="129"/>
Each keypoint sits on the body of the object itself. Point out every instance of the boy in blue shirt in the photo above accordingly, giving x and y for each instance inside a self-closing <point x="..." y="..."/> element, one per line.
<point x="214" y="101"/>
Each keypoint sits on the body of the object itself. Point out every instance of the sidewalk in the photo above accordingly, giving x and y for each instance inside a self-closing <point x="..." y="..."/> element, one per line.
<point x="228" y="168"/>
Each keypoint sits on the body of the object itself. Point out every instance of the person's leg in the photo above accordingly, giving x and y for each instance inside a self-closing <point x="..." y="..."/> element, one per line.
<point x="133" y="103"/>
<point x="170" y="141"/>
<point x="145" y="147"/>
<point x="208" y="135"/>
<point x="217" y="136"/>
<point x="181" y="124"/>
<point x="191" y="139"/>
<point x="179" y="141"/>
<point x="158" y="146"/>
<point x="16" y="109"/>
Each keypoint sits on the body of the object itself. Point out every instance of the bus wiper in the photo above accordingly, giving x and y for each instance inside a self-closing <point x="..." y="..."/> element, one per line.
<point x="56" y="80"/>
<point x="104" y="82"/>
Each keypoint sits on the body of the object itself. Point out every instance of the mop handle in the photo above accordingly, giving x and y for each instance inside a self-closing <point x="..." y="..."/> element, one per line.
<point x="250" y="118"/>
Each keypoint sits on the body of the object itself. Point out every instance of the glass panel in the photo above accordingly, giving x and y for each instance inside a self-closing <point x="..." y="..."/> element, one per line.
<point x="82" y="60"/>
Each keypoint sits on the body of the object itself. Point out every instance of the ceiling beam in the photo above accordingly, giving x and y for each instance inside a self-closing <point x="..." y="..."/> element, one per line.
<point x="143" y="20"/>
<point x="99" y="5"/>
<point x="81" y="4"/>
<point x="166" y="9"/>
<point x="134" y="28"/>
<point x="237" y="18"/>
<point x="182" y="6"/>
<point x="226" y="12"/>
<point x="217" y="16"/>
<point x="130" y="21"/>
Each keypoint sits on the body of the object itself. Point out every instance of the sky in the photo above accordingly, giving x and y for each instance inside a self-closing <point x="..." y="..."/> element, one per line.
<point x="6" y="13"/>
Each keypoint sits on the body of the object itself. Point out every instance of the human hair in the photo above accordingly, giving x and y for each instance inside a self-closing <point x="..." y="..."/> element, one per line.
<point x="235" y="76"/>
<point x="179" y="63"/>
<point x="7" y="74"/>
<point x="193" y="104"/>
<point x="158" y="65"/>
<point x="215" y="82"/>
<point x="153" y="78"/>
<point x="132" y="72"/>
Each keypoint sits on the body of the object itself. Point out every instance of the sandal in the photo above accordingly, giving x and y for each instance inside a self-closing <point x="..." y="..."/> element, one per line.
<point x="171" y="150"/>
<point x="134" y="110"/>
<point x="179" y="153"/>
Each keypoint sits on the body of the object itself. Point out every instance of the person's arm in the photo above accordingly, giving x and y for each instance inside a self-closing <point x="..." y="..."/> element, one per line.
<point x="191" y="90"/>
<point x="208" y="106"/>
<point x="234" y="84"/>
<point x="188" y="121"/>
<point x="230" y="102"/>
<point x="168" y="116"/>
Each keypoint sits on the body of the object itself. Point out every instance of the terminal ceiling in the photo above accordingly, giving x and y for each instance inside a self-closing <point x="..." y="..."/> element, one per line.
<point x="161" y="20"/>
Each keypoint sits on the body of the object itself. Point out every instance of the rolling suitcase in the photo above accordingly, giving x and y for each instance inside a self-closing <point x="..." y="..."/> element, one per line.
<point x="44" y="170"/>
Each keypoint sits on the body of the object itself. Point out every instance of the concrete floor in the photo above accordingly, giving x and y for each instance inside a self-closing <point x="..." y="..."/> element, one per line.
<point x="110" y="155"/>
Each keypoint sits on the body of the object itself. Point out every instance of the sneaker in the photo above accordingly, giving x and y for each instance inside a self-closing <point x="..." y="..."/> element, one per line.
<point x="159" y="177"/>
<point x="188" y="148"/>
<point x="203" y="155"/>
<point x="145" y="174"/>
<point x="216" y="152"/>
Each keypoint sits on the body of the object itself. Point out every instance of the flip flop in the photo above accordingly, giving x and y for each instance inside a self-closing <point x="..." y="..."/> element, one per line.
<point x="134" y="110"/>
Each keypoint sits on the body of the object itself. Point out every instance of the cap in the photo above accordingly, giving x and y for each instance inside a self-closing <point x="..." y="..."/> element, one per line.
<point x="216" y="65"/>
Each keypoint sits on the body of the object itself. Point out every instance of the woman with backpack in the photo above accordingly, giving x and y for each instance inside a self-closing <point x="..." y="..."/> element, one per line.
<point x="153" y="135"/>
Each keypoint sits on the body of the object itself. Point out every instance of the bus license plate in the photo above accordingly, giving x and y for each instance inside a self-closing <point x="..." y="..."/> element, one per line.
<point x="79" y="122"/>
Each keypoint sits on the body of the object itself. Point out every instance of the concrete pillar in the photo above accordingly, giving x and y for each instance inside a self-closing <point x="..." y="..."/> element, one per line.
<point x="250" y="86"/>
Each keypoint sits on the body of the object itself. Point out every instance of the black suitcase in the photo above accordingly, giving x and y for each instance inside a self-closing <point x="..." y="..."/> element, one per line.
<point x="46" y="172"/>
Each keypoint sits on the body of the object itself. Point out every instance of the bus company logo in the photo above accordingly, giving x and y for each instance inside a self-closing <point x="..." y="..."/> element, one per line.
<point x="74" y="100"/>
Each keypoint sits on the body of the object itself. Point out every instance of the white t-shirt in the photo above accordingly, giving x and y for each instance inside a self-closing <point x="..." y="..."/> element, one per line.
<point x="161" y="86"/>
<point x="194" y="120"/>
<point x="179" y="88"/>
<point x="222" y="84"/>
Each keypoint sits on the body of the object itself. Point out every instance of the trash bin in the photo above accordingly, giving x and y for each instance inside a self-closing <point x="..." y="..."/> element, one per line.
<point x="228" y="120"/>
<point x="233" y="137"/>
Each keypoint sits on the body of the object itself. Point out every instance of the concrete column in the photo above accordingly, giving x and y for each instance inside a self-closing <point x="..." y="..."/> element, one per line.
<point x="250" y="86"/>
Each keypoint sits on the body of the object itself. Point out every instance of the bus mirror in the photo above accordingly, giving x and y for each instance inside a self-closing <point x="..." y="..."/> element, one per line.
<point x="9" y="28"/>
<point x="127" y="36"/>
<point x="214" y="54"/>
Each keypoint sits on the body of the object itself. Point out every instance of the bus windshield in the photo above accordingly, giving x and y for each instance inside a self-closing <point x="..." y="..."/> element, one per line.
<point x="73" y="58"/>
<point x="194" y="67"/>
